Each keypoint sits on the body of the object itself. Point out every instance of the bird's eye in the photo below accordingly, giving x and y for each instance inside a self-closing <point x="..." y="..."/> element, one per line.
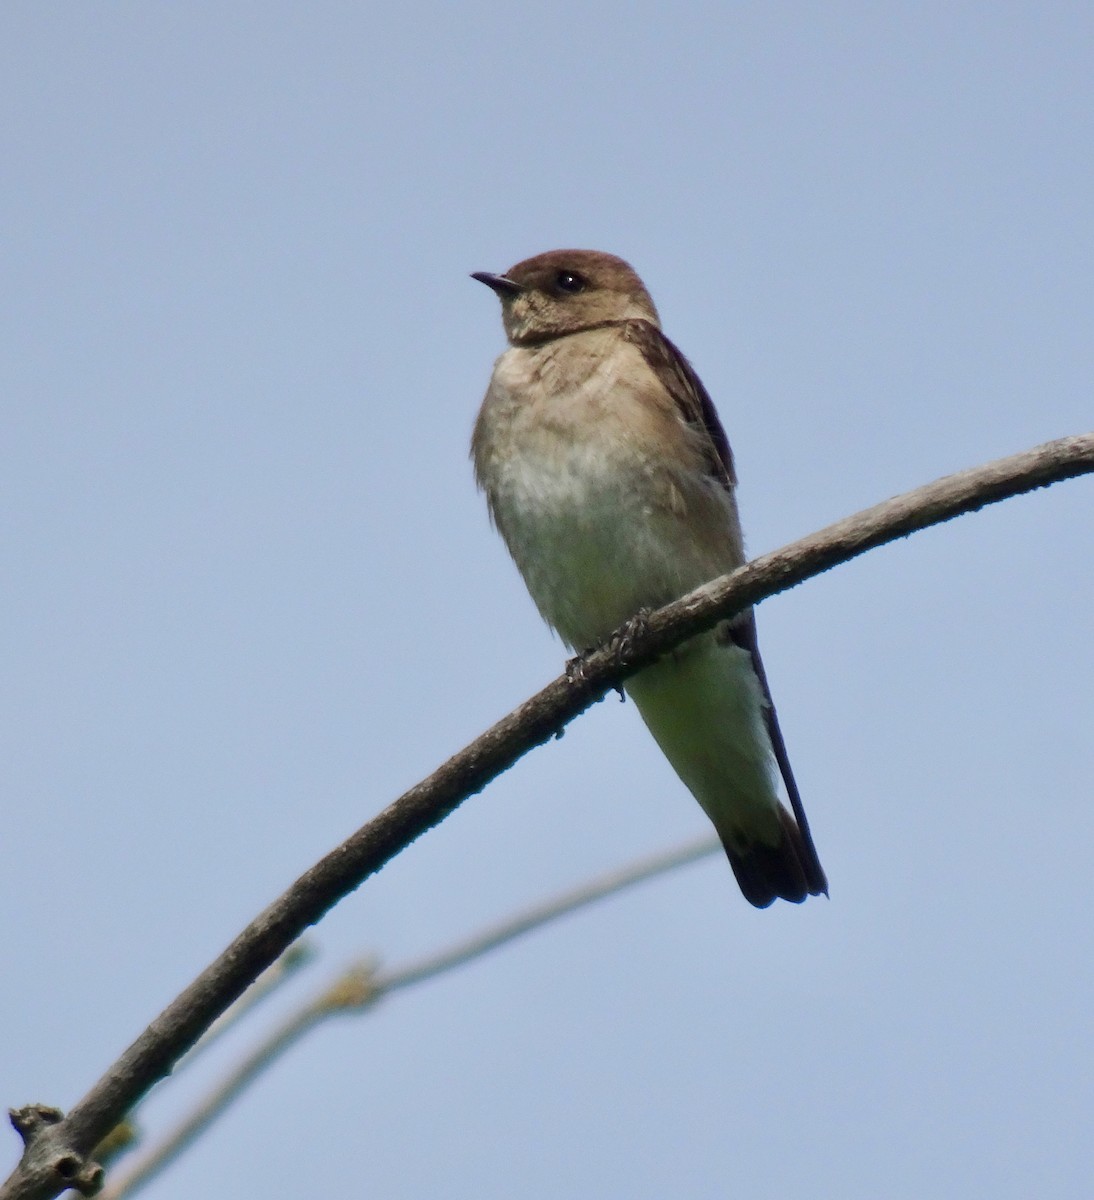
<point x="570" y="281"/>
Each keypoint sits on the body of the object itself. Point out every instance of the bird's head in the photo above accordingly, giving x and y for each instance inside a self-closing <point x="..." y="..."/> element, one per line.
<point x="565" y="291"/>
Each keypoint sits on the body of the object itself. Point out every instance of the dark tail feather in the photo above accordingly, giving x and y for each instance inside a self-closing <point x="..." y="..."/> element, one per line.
<point x="789" y="870"/>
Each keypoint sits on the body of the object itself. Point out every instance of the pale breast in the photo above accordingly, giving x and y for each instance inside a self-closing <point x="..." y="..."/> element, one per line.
<point x="595" y="487"/>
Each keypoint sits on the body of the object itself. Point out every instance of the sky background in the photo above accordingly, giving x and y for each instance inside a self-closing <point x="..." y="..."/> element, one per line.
<point x="250" y="594"/>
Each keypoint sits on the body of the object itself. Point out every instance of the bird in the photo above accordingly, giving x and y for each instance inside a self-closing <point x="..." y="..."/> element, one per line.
<point x="611" y="481"/>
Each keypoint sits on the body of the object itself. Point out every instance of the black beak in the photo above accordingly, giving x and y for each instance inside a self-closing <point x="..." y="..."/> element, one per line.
<point x="501" y="284"/>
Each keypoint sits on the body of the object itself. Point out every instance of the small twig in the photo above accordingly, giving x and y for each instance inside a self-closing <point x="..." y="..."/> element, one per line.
<point x="151" y="1164"/>
<point x="549" y="910"/>
<point x="125" y="1134"/>
<point x="361" y="986"/>
<point x="57" y="1152"/>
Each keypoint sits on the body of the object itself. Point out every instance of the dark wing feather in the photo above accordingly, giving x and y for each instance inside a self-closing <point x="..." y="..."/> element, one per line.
<point x="696" y="407"/>
<point x="742" y="632"/>
<point x="686" y="388"/>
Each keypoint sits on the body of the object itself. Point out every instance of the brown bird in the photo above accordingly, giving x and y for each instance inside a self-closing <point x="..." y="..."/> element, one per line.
<point x="610" y="478"/>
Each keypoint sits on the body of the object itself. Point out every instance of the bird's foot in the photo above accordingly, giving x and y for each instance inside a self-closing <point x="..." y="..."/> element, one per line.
<point x="620" y="646"/>
<point x="576" y="671"/>
<point x="622" y="641"/>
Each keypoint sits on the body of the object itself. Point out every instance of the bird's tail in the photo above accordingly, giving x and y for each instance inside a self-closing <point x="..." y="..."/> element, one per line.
<point x="785" y="870"/>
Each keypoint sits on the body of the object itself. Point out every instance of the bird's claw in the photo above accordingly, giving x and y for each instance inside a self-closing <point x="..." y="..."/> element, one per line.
<point x="620" y="645"/>
<point x="622" y="642"/>
<point x="576" y="673"/>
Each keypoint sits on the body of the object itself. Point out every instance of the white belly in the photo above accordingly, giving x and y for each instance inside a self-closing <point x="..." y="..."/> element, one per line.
<point x="600" y="516"/>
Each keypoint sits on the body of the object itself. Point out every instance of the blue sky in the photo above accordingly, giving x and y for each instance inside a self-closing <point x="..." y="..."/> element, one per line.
<point x="251" y="594"/>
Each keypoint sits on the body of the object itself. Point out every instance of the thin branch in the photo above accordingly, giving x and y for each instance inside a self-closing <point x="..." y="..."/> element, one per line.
<point x="549" y="910"/>
<point x="124" y="1135"/>
<point x="56" y="1149"/>
<point x="272" y="1048"/>
<point x="360" y="986"/>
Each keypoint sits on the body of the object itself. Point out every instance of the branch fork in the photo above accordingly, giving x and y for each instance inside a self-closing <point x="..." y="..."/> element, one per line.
<point x="45" y="1153"/>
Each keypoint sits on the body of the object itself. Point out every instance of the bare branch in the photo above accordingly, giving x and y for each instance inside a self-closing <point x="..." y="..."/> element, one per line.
<point x="279" y="972"/>
<point x="56" y="1152"/>
<point x="360" y="986"/>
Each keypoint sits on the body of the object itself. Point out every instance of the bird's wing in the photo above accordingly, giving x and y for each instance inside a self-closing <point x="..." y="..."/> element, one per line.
<point x="696" y="407"/>
<point x="686" y="389"/>
<point x="742" y="632"/>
